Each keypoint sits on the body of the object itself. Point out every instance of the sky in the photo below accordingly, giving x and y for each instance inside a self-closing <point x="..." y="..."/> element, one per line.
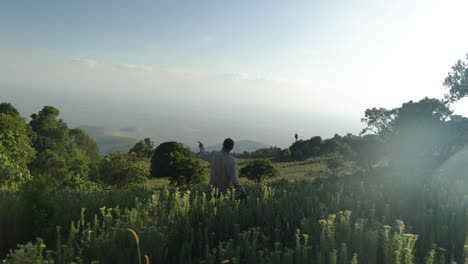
<point x="260" y="70"/>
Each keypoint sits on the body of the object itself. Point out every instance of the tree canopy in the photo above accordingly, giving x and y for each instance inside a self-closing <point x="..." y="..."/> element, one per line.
<point x="457" y="81"/>
<point x="16" y="150"/>
<point x="59" y="161"/>
<point x="8" y="109"/>
<point x="143" y="148"/>
<point x="86" y="143"/>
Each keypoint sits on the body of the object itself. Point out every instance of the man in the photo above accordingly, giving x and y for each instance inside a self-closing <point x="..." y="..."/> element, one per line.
<point x="223" y="168"/>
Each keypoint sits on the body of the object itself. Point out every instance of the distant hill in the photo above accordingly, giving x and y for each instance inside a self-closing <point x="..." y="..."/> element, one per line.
<point x="109" y="139"/>
<point x="241" y="146"/>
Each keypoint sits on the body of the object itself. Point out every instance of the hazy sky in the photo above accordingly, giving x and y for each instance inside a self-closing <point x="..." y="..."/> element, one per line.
<point x="309" y="58"/>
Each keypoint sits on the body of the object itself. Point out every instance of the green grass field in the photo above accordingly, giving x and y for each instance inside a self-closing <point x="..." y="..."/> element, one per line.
<point x="383" y="218"/>
<point x="291" y="171"/>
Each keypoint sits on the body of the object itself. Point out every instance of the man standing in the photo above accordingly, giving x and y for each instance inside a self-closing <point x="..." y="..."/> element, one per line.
<point x="223" y="168"/>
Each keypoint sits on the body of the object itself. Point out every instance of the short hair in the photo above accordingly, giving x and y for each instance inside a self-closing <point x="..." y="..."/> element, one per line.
<point x="228" y="144"/>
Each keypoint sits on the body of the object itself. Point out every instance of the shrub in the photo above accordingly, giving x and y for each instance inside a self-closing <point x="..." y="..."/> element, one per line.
<point x="258" y="170"/>
<point x="187" y="170"/>
<point x="121" y="170"/>
<point x="163" y="159"/>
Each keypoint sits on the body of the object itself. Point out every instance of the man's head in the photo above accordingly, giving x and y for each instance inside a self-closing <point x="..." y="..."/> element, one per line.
<point x="228" y="145"/>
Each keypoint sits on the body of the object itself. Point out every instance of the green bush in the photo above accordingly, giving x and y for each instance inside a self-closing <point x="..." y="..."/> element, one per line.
<point x="121" y="170"/>
<point x="187" y="170"/>
<point x="258" y="170"/>
<point x="162" y="161"/>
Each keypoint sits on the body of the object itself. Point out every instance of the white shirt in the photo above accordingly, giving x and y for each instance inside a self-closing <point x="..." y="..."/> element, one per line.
<point x="223" y="170"/>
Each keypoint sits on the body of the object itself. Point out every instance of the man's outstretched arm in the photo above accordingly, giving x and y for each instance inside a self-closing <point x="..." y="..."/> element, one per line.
<point x="203" y="154"/>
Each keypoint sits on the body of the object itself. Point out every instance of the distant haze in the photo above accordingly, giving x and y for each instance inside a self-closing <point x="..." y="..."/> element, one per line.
<point x="208" y="123"/>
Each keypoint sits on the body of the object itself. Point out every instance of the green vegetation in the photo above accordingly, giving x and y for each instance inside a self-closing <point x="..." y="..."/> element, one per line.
<point x="186" y="170"/>
<point x="258" y="170"/>
<point x="121" y="170"/>
<point x="16" y="150"/>
<point x="59" y="162"/>
<point x="295" y="222"/>
<point x="173" y="160"/>
<point x="394" y="194"/>
<point x="143" y="149"/>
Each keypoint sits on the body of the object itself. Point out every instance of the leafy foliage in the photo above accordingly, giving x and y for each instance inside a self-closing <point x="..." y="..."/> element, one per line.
<point x="143" y="148"/>
<point x="415" y="135"/>
<point x="457" y="81"/>
<point x="86" y="143"/>
<point x="263" y="153"/>
<point x="295" y="222"/>
<point x="258" y="170"/>
<point x="122" y="170"/>
<point x="162" y="161"/>
<point x="16" y="150"/>
<point x="378" y="120"/>
<point x="315" y="146"/>
<point x="187" y="170"/>
<point x="59" y="161"/>
<point x="8" y="109"/>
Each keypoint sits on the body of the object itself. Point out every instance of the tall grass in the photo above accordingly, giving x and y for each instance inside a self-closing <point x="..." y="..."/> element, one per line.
<point x="379" y="219"/>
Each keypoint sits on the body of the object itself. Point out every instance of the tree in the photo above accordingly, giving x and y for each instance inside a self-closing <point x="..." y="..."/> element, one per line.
<point x="305" y="148"/>
<point x="425" y="111"/>
<point x="378" y="120"/>
<point x="419" y="133"/>
<point x="143" y="148"/>
<point x="416" y="133"/>
<point x="87" y="146"/>
<point x="300" y="149"/>
<point x="314" y="145"/>
<point x="263" y="153"/>
<point x="59" y="161"/>
<point x="337" y="145"/>
<point x="86" y="143"/>
<point x="163" y="159"/>
<point x="120" y="170"/>
<point x="16" y="150"/>
<point x="258" y="170"/>
<point x="457" y="81"/>
<point x="187" y="170"/>
<point x="8" y="109"/>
